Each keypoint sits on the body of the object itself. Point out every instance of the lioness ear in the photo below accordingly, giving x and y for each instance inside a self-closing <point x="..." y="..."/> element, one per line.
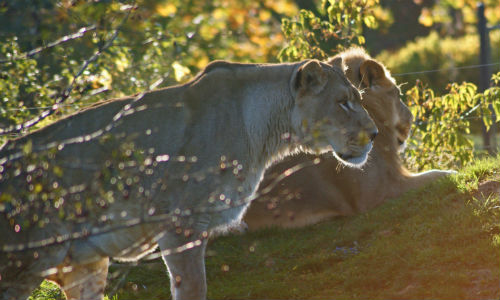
<point x="310" y="77"/>
<point x="337" y="62"/>
<point x="371" y="73"/>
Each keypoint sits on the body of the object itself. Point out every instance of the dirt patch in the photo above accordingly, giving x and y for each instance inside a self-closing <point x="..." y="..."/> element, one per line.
<point x="484" y="285"/>
<point x="487" y="188"/>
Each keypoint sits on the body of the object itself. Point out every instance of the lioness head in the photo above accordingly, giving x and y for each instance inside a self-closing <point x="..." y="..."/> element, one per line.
<point x="328" y="114"/>
<point x="381" y="96"/>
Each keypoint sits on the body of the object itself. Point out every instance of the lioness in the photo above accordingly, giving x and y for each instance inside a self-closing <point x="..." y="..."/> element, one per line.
<point x="165" y="168"/>
<point x="328" y="189"/>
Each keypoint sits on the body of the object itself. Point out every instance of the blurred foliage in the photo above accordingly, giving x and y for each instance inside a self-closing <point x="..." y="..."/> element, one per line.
<point x="339" y="25"/>
<point x="399" y="24"/>
<point x="162" y="40"/>
<point x="457" y="17"/>
<point x="440" y="136"/>
<point x="412" y="19"/>
<point x="23" y="81"/>
<point x="436" y="53"/>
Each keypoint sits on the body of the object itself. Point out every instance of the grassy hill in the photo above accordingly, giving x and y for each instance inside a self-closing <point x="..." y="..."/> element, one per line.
<point x="439" y="242"/>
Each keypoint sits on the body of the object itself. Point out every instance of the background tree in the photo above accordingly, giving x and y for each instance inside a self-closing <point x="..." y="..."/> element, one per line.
<point x="167" y="40"/>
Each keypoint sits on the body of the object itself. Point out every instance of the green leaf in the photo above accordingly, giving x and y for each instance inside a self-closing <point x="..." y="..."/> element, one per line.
<point x="487" y="120"/>
<point x="496" y="109"/>
<point x="370" y="21"/>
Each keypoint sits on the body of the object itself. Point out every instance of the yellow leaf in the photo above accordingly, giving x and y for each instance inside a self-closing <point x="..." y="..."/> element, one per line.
<point x="236" y="20"/>
<point x="166" y="9"/>
<point x="219" y="14"/>
<point x="27" y="148"/>
<point x="261" y="41"/>
<point x="202" y="62"/>
<point x="103" y="79"/>
<point x="264" y="15"/>
<point x="38" y="188"/>
<point x="208" y="32"/>
<point x="370" y="21"/>
<point x="58" y="171"/>
<point x="283" y="7"/>
<point x="425" y="17"/>
<point x="121" y="64"/>
<point x="180" y="71"/>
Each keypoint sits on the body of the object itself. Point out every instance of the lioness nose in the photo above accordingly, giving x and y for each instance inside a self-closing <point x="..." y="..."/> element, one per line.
<point x="365" y="136"/>
<point x="373" y="134"/>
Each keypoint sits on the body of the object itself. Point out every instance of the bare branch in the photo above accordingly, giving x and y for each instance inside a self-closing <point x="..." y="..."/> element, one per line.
<point x="67" y="91"/>
<point x="81" y="32"/>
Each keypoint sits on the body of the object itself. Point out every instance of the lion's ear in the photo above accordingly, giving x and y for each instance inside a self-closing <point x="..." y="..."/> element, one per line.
<point x="310" y="77"/>
<point x="336" y="61"/>
<point x="371" y="73"/>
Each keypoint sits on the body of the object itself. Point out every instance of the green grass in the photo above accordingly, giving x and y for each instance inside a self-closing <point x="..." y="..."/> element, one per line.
<point x="47" y="290"/>
<point x="440" y="242"/>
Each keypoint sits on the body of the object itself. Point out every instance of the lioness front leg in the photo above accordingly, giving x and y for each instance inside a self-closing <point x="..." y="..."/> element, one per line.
<point x="185" y="260"/>
<point x="187" y="273"/>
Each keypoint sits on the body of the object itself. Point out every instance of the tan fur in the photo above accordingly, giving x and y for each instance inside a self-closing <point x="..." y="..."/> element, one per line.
<point x="165" y="168"/>
<point x="328" y="189"/>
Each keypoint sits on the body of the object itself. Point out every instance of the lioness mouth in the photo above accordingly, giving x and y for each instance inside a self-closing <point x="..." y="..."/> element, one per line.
<point x="356" y="160"/>
<point x="346" y="156"/>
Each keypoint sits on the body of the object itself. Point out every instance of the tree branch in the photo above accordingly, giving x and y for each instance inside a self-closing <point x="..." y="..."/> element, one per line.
<point x="67" y="91"/>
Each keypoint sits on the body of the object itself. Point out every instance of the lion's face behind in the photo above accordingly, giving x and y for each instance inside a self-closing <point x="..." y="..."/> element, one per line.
<point x="403" y="126"/>
<point x="381" y="98"/>
<point x="384" y="104"/>
<point x="328" y="114"/>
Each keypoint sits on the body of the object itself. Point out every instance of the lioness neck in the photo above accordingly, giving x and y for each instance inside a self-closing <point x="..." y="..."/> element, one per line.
<point x="267" y="120"/>
<point x="266" y="106"/>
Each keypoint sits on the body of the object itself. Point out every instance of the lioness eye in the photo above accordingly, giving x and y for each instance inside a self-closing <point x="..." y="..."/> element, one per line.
<point x="346" y="105"/>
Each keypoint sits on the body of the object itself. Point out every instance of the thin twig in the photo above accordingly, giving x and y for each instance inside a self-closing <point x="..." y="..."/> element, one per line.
<point x="447" y="69"/>
<point x="67" y="91"/>
<point x="81" y="32"/>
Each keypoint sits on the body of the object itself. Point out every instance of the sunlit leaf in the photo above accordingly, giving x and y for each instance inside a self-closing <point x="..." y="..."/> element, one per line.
<point x="496" y="108"/>
<point x="166" y="9"/>
<point x="283" y="7"/>
<point x="370" y="21"/>
<point x="180" y="71"/>
<point x="264" y="15"/>
<point x="425" y="17"/>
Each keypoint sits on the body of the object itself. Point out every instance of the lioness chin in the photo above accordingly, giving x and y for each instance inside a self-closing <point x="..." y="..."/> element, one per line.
<point x="326" y="189"/>
<point x="163" y="168"/>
